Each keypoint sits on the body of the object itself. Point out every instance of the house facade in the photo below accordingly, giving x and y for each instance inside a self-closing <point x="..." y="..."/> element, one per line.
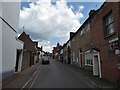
<point x="96" y="44"/>
<point x="29" y="52"/>
<point x="9" y="18"/>
<point x="0" y="45"/>
<point x="19" y="55"/>
<point x="65" y="53"/>
<point x="40" y="53"/>
<point x="105" y="41"/>
<point x="81" y="45"/>
<point x="56" y="50"/>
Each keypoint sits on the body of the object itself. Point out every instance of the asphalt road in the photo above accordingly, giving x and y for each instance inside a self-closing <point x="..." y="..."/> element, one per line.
<point x="58" y="75"/>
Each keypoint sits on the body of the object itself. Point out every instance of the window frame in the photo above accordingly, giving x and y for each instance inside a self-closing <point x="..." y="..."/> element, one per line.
<point x="82" y="32"/>
<point x="88" y="26"/>
<point x="88" y="60"/>
<point x="107" y="24"/>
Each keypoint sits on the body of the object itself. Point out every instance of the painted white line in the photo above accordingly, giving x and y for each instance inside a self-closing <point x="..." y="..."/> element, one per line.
<point x="35" y="79"/>
<point x="30" y="78"/>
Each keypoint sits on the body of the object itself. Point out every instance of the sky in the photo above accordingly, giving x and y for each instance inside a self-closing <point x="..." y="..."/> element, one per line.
<point x="50" y="22"/>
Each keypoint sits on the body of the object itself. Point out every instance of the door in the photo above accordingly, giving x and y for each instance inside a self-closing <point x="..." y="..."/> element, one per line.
<point x="80" y="59"/>
<point x="96" y="65"/>
<point x="17" y="61"/>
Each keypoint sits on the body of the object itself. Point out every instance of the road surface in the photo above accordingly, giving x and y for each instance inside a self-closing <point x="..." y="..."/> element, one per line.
<point x="58" y="75"/>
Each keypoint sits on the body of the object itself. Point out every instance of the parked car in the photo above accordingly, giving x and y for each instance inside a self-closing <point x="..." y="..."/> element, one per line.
<point x="45" y="60"/>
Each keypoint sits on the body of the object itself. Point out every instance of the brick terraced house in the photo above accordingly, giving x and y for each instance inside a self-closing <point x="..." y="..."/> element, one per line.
<point x="95" y="46"/>
<point x="29" y="52"/>
<point x="105" y="47"/>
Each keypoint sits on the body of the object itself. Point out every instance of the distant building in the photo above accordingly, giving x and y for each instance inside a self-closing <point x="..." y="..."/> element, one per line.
<point x="56" y="50"/>
<point x="39" y="51"/>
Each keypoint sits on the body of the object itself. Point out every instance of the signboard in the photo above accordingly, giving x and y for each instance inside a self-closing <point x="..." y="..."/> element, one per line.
<point x="115" y="45"/>
<point x="117" y="51"/>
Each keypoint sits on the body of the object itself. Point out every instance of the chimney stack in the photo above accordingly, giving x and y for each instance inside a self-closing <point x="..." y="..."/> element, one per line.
<point x="71" y="34"/>
<point x="91" y="12"/>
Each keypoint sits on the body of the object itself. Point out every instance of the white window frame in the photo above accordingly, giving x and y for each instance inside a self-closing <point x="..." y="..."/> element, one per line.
<point x="86" y="60"/>
<point x="88" y="26"/>
<point x="82" y="32"/>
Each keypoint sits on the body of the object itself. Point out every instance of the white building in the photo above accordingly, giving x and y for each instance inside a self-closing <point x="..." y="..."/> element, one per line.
<point x="0" y="46"/>
<point x="9" y="17"/>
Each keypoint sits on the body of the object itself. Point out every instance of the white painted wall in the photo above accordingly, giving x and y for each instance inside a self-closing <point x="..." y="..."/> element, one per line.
<point x="0" y="46"/>
<point x="8" y="49"/>
<point x="19" y="46"/>
<point x="61" y="52"/>
<point x="10" y="12"/>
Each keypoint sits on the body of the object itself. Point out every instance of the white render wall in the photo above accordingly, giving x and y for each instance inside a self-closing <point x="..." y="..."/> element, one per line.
<point x="61" y="52"/>
<point x="0" y="46"/>
<point x="8" y="50"/>
<point x="19" y="45"/>
<point x="10" y="12"/>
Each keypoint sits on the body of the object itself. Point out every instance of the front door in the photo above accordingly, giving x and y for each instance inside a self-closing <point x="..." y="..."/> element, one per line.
<point x="17" y="61"/>
<point x="96" y="65"/>
<point x="80" y="59"/>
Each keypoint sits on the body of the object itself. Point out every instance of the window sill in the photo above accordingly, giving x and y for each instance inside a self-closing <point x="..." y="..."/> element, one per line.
<point x="88" y="65"/>
<point x="109" y="35"/>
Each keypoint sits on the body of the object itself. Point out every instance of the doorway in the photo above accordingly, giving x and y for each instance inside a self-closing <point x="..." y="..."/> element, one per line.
<point x="80" y="59"/>
<point x="17" y="61"/>
<point x="96" y="65"/>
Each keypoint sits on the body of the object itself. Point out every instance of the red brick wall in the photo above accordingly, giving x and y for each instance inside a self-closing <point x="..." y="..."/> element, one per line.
<point x="28" y="43"/>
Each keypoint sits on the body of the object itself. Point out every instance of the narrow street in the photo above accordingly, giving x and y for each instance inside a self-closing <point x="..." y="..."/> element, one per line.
<point x="58" y="75"/>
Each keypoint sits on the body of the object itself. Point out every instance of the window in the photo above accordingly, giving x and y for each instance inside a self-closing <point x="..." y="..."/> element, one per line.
<point x="88" y="58"/>
<point x="109" y="27"/>
<point x="82" y="32"/>
<point x="88" y="27"/>
<point x="73" y="39"/>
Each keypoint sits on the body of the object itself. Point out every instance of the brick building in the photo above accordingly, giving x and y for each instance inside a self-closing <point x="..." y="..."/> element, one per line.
<point x="29" y="52"/>
<point x="81" y="45"/>
<point x="64" y="48"/>
<point x="96" y="44"/>
<point x="56" y="50"/>
<point x="105" y="34"/>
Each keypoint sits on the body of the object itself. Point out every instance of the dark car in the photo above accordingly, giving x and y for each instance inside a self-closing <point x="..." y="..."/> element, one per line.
<point x="45" y="60"/>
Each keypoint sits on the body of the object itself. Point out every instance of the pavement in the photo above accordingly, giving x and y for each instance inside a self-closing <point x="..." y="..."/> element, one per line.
<point x="98" y="82"/>
<point x="19" y="80"/>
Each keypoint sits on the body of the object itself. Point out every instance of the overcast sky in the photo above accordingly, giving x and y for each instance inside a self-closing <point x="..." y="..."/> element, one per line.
<point x="51" y="22"/>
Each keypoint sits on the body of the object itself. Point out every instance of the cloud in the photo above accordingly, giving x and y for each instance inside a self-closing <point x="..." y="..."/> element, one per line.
<point x="81" y="8"/>
<point x="45" y="21"/>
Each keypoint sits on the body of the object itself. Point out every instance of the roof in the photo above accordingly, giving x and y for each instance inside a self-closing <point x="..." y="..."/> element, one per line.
<point x="88" y="19"/>
<point x="28" y="43"/>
